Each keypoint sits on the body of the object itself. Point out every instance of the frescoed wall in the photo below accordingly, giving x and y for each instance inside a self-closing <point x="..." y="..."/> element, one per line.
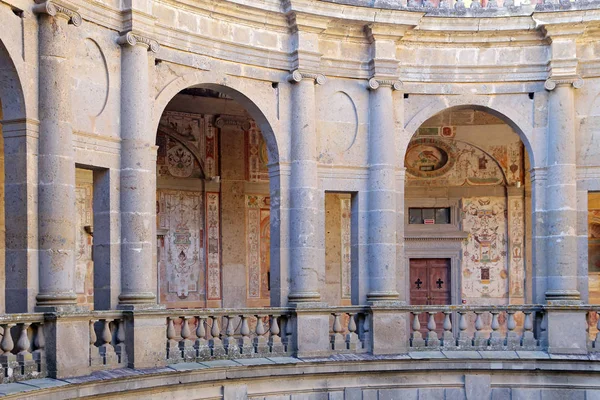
<point x="475" y="160"/>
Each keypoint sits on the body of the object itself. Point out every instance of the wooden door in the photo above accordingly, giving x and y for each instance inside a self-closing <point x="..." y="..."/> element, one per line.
<point x="430" y="285"/>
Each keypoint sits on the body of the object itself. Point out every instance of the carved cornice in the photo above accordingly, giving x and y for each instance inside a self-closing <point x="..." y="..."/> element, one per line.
<point x="297" y="76"/>
<point x="54" y="8"/>
<point x="375" y="84"/>
<point x="224" y="121"/>
<point x="552" y="83"/>
<point x="133" y="39"/>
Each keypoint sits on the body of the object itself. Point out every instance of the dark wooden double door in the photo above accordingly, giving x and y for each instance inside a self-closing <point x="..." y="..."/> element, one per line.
<point x="430" y="285"/>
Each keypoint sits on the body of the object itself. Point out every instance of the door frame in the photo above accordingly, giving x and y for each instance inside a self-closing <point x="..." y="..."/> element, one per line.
<point x="436" y="248"/>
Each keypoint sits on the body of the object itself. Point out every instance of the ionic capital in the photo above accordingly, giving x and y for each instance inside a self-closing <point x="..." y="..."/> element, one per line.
<point x="133" y="39"/>
<point x="552" y="83"/>
<point x="375" y="84"/>
<point x="224" y="121"/>
<point x="54" y="8"/>
<point x="296" y="76"/>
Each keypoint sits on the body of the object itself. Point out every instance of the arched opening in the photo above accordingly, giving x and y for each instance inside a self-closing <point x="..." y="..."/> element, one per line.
<point x="214" y="200"/>
<point x="16" y="290"/>
<point x="468" y="198"/>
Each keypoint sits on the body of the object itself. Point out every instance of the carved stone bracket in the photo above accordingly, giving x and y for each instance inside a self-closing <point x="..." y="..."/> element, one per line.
<point x="552" y="83"/>
<point x="133" y="39"/>
<point x="375" y="84"/>
<point x="223" y="121"/>
<point x="297" y="76"/>
<point x="54" y="8"/>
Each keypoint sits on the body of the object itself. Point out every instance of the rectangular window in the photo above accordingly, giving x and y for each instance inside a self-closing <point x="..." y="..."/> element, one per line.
<point x="429" y="216"/>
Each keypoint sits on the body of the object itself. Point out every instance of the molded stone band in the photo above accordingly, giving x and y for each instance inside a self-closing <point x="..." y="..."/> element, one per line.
<point x="296" y="76"/>
<point x="54" y="8"/>
<point x="375" y="84"/>
<point x="552" y="83"/>
<point x="133" y="39"/>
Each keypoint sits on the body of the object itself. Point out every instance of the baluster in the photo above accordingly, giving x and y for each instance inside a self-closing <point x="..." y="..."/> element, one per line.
<point x="479" y="340"/>
<point x="432" y="336"/>
<point x="366" y="332"/>
<point x="23" y="342"/>
<point x="40" y="346"/>
<point x="416" y="338"/>
<point x="215" y="343"/>
<point x="448" y="338"/>
<point x="260" y="342"/>
<point x="512" y="338"/>
<point x="7" y="359"/>
<point x="186" y="346"/>
<point x="107" y="352"/>
<point x="288" y="332"/>
<point x="496" y="339"/>
<point x="230" y="343"/>
<point x="120" y="341"/>
<point x="7" y="343"/>
<point x="201" y="345"/>
<point x="275" y="342"/>
<point x="464" y="341"/>
<point x="95" y="358"/>
<point x="337" y="339"/>
<point x="173" y="352"/>
<point x="352" y="340"/>
<point x="543" y="339"/>
<point x="24" y="356"/>
<point x="528" y="341"/>
<point x="596" y="344"/>
<point x="246" y="343"/>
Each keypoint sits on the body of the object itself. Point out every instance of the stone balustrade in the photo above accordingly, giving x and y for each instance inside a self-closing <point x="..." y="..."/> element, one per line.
<point x="349" y="330"/>
<point x="22" y="348"/>
<point x="484" y="8"/>
<point x="107" y="340"/>
<point x="201" y="335"/>
<point x="476" y="328"/>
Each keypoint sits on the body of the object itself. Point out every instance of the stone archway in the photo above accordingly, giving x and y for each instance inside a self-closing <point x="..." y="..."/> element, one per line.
<point x="16" y="289"/>
<point x="478" y="181"/>
<point x="211" y="134"/>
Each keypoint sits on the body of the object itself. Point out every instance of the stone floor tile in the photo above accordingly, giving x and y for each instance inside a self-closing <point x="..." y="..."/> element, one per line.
<point x="14" y="388"/>
<point x="532" y="354"/>
<point x="463" y="354"/>
<point x="254" y="361"/>
<point x="45" y="383"/>
<point x="507" y="355"/>
<point x="285" y="360"/>
<point x="190" y="366"/>
<point x="424" y="355"/>
<point x="220" y="363"/>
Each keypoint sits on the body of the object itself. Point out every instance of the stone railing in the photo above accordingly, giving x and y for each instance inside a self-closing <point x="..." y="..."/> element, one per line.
<point x="349" y="329"/>
<point x="66" y="344"/>
<point x="22" y="348"/>
<point x="203" y="335"/>
<point x="476" y="328"/>
<point x="481" y="8"/>
<point x="107" y="340"/>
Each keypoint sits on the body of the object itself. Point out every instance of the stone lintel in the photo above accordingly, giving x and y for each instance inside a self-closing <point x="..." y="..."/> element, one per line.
<point x="58" y="8"/>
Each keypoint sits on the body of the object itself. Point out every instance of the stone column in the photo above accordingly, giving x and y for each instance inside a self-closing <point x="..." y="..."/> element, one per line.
<point x="381" y="242"/>
<point x="56" y="190"/>
<point x="138" y="191"/>
<point x="304" y="198"/>
<point x="561" y="192"/>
